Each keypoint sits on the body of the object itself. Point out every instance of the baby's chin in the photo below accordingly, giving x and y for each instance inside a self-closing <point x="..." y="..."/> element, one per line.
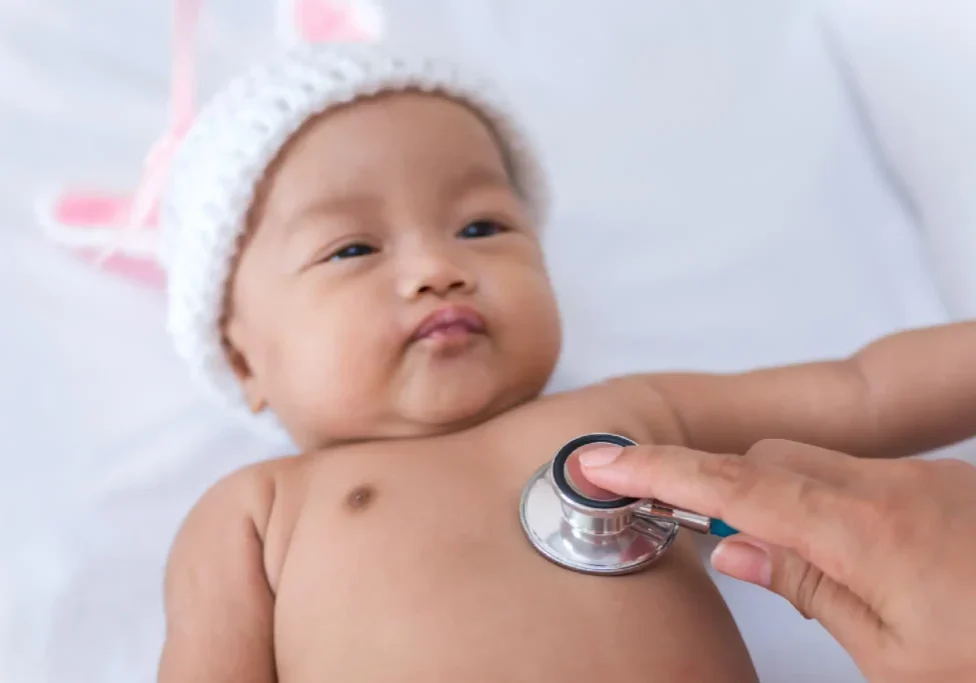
<point x="444" y="413"/>
<point x="452" y="404"/>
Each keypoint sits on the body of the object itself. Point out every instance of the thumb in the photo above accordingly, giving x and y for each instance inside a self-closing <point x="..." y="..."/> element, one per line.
<point x="814" y="594"/>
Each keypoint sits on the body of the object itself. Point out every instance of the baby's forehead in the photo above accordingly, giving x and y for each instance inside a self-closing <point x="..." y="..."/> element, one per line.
<point x="430" y="143"/>
<point x="394" y="129"/>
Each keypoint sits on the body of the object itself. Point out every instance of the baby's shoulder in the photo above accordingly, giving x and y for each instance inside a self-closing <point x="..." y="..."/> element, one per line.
<point x="246" y="495"/>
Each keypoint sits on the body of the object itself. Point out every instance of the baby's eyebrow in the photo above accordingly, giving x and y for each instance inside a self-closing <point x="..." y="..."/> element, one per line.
<point x="323" y="206"/>
<point x="478" y="177"/>
<point x="473" y="178"/>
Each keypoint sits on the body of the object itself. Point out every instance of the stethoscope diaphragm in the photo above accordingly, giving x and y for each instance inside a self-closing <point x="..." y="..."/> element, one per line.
<point x="587" y="529"/>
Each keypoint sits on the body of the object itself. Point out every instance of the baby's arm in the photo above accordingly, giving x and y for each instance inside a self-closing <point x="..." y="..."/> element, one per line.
<point x="903" y="394"/>
<point x="218" y="602"/>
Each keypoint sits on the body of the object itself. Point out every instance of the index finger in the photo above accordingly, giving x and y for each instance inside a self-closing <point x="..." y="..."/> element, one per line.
<point x="816" y="520"/>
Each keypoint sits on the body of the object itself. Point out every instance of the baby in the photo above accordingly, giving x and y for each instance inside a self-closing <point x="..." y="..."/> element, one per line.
<point x="353" y="247"/>
<point x="354" y="256"/>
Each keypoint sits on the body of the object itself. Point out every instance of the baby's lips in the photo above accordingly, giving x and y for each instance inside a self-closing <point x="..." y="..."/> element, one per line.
<point x="448" y="316"/>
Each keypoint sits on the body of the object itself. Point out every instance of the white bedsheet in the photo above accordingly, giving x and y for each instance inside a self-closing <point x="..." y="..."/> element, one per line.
<point x="716" y="182"/>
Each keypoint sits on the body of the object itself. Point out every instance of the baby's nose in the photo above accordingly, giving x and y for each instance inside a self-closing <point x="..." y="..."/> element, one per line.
<point x="442" y="285"/>
<point x="437" y="275"/>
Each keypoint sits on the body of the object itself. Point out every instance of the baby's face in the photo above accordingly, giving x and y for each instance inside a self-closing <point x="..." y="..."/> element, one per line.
<point x="392" y="285"/>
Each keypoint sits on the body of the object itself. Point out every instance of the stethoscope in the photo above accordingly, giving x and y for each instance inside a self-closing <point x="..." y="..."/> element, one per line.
<point x="589" y="530"/>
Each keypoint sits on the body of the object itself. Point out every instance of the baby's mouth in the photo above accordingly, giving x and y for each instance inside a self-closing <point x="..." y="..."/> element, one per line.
<point x="449" y="326"/>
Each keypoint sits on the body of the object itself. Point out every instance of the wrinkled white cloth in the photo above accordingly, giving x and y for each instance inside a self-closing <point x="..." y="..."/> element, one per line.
<point x="734" y="190"/>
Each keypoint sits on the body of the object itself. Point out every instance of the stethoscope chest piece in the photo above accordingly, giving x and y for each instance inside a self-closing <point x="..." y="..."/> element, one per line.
<point x="584" y="528"/>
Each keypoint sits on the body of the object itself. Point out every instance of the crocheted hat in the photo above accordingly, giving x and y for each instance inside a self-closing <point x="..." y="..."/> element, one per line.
<point x="241" y="131"/>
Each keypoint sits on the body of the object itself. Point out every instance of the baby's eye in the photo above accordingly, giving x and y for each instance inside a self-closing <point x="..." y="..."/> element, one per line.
<point x="478" y="229"/>
<point x="352" y="251"/>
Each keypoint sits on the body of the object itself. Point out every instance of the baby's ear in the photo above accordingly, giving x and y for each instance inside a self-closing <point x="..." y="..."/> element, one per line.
<point x="242" y="369"/>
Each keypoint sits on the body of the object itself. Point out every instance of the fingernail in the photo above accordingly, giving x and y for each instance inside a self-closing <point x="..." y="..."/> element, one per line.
<point x="745" y="559"/>
<point x="598" y="457"/>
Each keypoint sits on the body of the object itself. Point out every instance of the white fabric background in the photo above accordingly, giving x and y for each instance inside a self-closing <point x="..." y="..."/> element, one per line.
<point x="738" y="183"/>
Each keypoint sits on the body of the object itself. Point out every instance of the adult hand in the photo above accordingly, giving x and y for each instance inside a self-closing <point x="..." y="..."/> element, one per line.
<point x="881" y="552"/>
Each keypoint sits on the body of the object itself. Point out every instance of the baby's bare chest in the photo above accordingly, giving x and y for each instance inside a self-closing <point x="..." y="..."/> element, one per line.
<point x="404" y="503"/>
<point x="411" y="557"/>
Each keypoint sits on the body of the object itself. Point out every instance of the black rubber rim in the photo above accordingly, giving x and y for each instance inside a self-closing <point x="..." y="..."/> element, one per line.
<point x="562" y="483"/>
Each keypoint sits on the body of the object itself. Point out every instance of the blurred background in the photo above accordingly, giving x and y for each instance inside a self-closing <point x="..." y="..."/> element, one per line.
<point x="736" y="184"/>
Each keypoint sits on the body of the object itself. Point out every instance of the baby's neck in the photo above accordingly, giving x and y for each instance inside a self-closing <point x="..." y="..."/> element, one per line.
<point x="406" y="430"/>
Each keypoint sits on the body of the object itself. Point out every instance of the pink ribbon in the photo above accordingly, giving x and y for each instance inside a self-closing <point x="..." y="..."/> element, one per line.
<point x="118" y="233"/>
<point x="145" y="201"/>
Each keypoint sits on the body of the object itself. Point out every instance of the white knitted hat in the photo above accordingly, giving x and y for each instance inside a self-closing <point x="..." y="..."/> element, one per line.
<point x="235" y="138"/>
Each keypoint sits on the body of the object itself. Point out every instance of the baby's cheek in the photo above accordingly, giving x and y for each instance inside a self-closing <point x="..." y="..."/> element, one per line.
<point x="537" y="310"/>
<point x="339" y="369"/>
<point x="540" y="333"/>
